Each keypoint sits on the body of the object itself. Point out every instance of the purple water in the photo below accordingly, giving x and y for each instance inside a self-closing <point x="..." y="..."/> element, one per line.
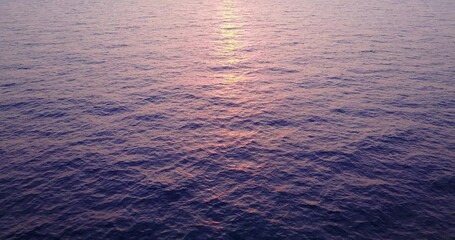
<point x="227" y="119"/>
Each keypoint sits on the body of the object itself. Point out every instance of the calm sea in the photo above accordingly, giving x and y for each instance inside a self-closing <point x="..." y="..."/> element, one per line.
<point x="227" y="119"/>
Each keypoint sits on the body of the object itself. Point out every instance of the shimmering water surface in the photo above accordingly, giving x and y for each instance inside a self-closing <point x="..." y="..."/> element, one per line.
<point x="227" y="119"/>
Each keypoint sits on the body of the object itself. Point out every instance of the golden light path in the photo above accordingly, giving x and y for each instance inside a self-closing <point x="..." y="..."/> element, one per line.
<point x="231" y="46"/>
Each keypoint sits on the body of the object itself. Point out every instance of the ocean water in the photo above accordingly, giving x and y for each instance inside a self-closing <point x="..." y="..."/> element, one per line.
<point x="227" y="119"/>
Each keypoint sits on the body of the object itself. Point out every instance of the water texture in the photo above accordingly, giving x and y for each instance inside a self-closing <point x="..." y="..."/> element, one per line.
<point x="227" y="119"/>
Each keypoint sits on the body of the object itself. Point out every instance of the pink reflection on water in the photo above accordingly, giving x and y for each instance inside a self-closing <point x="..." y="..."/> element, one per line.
<point x="230" y="44"/>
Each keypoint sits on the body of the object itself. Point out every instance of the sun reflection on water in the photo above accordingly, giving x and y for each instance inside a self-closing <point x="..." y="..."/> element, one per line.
<point x="232" y="78"/>
<point x="231" y="45"/>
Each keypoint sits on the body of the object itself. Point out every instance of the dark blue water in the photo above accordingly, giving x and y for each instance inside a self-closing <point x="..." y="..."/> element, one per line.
<point x="227" y="119"/>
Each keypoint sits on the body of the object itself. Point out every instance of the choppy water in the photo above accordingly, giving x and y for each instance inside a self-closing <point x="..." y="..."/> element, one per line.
<point x="227" y="119"/>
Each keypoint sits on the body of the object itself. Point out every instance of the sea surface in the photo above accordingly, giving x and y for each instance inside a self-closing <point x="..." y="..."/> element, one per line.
<point x="227" y="119"/>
